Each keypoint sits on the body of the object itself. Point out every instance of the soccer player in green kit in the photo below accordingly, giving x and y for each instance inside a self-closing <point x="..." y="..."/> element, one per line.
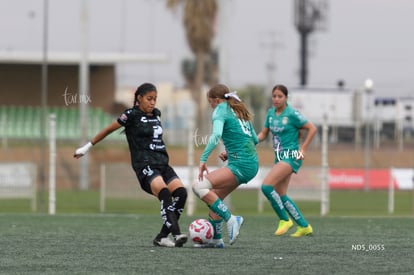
<point x="284" y="122"/>
<point x="232" y="124"/>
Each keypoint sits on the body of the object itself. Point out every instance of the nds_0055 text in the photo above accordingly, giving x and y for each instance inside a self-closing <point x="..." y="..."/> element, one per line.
<point x="370" y="247"/>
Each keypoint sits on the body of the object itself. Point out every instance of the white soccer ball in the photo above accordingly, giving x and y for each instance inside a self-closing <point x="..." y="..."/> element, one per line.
<point x="201" y="231"/>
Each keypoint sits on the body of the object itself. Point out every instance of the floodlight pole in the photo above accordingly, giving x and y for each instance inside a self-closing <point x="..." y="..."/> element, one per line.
<point x="307" y="16"/>
<point x="305" y="25"/>
<point x="304" y="58"/>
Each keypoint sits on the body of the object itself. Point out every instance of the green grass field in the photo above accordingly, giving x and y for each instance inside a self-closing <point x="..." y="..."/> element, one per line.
<point x="342" y="203"/>
<point x="357" y="237"/>
<point x="122" y="244"/>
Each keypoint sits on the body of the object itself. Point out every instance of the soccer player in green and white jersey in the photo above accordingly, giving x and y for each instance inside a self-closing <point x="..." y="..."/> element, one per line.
<point x="284" y="122"/>
<point x="232" y="124"/>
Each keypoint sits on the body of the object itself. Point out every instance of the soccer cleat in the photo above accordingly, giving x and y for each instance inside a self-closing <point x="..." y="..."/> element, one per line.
<point x="180" y="240"/>
<point x="283" y="227"/>
<point x="215" y="243"/>
<point x="233" y="228"/>
<point x="303" y="231"/>
<point x="163" y="241"/>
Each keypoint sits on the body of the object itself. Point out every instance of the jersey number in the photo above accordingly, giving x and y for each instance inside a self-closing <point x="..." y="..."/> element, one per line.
<point x="245" y="126"/>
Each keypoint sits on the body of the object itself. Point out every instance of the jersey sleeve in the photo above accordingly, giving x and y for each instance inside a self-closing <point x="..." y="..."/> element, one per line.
<point x="125" y="117"/>
<point x="214" y="139"/>
<point x="299" y="119"/>
<point x="219" y="113"/>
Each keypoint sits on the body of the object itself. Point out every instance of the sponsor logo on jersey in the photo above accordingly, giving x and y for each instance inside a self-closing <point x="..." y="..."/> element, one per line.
<point x="156" y="147"/>
<point x="157" y="131"/>
<point x="123" y="117"/>
<point x="276" y="129"/>
<point x="146" y="119"/>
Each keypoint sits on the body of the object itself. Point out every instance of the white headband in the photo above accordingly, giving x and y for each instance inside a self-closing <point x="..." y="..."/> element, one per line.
<point x="233" y="95"/>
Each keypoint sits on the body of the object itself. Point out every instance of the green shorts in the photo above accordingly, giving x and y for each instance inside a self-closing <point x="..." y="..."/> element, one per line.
<point x="244" y="171"/>
<point x="294" y="163"/>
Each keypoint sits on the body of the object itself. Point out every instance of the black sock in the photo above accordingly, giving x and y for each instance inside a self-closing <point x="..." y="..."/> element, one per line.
<point x="168" y="216"/>
<point x="179" y="197"/>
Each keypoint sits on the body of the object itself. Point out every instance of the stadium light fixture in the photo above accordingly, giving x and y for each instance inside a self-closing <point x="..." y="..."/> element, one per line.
<point x="369" y="84"/>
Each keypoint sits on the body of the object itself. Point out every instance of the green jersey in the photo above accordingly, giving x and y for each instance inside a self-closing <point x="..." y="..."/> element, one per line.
<point x="239" y="139"/>
<point x="285" y="129"/>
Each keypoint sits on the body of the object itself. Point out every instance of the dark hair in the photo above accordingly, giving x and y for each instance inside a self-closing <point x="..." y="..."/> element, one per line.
<point x="219" y="90"/>
<point x="281" y="88"/>
<point x="142" y="90"/>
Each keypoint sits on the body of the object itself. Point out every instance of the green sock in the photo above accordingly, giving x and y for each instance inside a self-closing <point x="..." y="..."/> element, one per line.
<point x="218" y="228"/>
<point x="294" y="211"/>
<point x="220" y="209"/>
<point x="275" y="201"/>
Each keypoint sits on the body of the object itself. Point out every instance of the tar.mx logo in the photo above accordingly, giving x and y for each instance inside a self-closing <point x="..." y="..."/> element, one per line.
<point x="203" y="140"/>
<point x="288" y="154"/>
<point x="74" y="98"/>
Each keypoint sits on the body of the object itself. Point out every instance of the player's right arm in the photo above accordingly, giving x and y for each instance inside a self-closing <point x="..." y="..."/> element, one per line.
<point x="263" y="134"/>
<point x="100" y="136"/>
<point x="214" y="139"/>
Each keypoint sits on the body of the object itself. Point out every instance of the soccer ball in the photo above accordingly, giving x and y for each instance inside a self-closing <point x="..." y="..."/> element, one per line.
<point x="201" y="231"/>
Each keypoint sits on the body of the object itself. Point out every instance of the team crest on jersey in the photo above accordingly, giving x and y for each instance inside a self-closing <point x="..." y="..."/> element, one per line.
<point x="285" y="120"/>
<point x="148" y="171"/>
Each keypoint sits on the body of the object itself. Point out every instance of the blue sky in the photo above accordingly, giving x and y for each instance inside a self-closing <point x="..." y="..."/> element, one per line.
<point x="363" y="39"/>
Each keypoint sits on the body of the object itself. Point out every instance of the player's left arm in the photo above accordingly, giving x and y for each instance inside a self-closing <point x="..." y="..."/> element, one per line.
<point x="311" y="131"/>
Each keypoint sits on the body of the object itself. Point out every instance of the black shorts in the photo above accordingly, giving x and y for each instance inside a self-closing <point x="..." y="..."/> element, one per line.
<point x="146" y="174"/>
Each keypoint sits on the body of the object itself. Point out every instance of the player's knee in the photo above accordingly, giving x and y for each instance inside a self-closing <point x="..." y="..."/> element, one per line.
<point x="267" y="189"/>
<point x="181" y="193"/>
<point x="201" y="188"/>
